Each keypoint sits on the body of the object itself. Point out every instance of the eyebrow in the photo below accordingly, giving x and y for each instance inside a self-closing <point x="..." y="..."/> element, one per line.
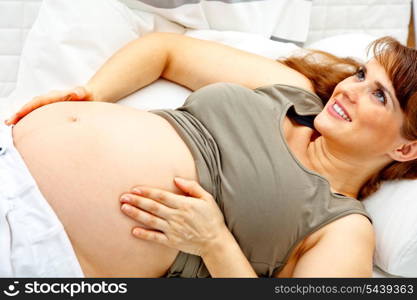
<point x="381" y="86"/>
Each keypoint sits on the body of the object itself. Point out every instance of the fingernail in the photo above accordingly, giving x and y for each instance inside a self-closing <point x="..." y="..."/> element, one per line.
<point x="137" y="190"/>
<point x="136" y="231"/>
<point x="78" y="92"/>
<point x="125" y="207"/>
<point x="125" y="198"/>
<point x="180" y="180"/>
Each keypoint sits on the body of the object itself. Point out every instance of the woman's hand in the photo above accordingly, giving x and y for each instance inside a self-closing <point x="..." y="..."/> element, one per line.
<point x="191" y="225"/>
<point x="75" y="94"/>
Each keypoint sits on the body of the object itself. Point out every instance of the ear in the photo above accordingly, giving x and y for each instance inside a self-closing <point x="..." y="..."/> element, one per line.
<point x="405" y="152"/>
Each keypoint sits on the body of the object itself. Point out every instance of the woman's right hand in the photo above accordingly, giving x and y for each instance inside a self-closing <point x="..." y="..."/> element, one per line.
<point x="76" y="94"/>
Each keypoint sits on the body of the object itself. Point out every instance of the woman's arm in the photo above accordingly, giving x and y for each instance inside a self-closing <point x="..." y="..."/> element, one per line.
<point x="191" y="225"/>
<point x="187" y="61"/>
<point x="344" y="250"/>
<point x="224" y="258"/>
<point x="135" y="65"/>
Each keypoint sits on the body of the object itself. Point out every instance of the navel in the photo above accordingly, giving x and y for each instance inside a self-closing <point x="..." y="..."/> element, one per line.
<point x="72" y="119"/>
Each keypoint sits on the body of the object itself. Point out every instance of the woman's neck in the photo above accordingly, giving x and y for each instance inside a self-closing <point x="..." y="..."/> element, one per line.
<point x="345" y="174"/>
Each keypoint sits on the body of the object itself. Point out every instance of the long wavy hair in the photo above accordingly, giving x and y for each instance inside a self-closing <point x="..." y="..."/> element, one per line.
<point x="325" y="71"/>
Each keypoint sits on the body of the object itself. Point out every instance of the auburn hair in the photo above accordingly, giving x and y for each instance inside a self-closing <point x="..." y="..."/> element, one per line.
<point x="325" y="71"/>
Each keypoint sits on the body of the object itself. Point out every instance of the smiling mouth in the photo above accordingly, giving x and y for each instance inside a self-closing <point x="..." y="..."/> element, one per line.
<point x="338" y="111"/>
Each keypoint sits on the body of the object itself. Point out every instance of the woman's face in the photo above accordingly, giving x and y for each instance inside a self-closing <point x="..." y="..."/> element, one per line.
<point x="363" y="114"/>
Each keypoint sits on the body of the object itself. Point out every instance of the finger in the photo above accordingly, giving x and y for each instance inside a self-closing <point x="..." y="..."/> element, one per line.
<point x="169" y="199"/>
<point x="80" y="93"/>
<point x="24" y="110"/>
<point x="28" y="107"/>
<point x="144" y="217"/>
<point x="192" y="188"/>
<point x="150" y="235"/>
<point x="149" y="205"/>
<point x="16" y="116"/>
<point x="8" y="122"/>
<point x="58" y="96"/>
<point x="76" y="94"/>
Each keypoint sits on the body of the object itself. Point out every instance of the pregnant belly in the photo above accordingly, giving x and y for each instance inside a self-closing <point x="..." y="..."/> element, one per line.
<point x="84" y="155"/>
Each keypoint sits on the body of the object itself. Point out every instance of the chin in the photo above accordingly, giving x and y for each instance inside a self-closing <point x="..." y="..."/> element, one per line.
<point x="329" y="129"/>
<point x="323" y="125"/>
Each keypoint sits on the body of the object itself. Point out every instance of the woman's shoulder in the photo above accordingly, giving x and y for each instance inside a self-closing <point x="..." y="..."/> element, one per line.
<point x="235" y="97"/>
<point x="354" y="223"/>
<point x="353" y="226"/>
<point x="293" y="88"/>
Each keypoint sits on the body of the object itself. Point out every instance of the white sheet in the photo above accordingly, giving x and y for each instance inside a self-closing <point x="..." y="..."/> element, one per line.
<point x="16" y="18"/>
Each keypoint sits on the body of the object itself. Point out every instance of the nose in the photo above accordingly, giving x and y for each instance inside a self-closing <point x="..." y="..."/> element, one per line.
<point x="353" y="90"/>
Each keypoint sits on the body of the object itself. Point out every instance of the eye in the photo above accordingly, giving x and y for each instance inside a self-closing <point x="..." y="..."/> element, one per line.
<point x="380" y="96"/>
<point x="360" y="73"/>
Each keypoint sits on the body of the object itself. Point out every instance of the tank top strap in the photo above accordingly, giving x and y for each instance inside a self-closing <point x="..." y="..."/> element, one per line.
<point x="305" y="102"/>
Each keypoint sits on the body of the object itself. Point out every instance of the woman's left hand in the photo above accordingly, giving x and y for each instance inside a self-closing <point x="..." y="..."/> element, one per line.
<point x="191" y="225"/>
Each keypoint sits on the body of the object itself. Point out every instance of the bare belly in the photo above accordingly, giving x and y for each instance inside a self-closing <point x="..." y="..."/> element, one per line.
<point x="84" y="155"/>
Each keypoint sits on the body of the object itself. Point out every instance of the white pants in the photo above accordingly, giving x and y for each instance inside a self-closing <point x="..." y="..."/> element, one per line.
<point x="33" y="242"/>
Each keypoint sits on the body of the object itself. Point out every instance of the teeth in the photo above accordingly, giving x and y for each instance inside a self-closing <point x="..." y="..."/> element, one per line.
<point x="340" y="111"/>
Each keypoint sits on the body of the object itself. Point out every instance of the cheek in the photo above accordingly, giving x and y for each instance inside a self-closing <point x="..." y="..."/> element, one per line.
<point x="378" y="129"/>
<point x="369" y="128"/>
<point x="374" y="119"/>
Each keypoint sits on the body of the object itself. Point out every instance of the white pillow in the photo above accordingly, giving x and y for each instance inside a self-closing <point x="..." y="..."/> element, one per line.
<point x="280" y="20"/>
<point x="345" y="45"/>
<point x="393" y="207"/>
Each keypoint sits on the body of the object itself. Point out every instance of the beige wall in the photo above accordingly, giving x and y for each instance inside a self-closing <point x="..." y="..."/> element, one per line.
<point x="411" y="42"/>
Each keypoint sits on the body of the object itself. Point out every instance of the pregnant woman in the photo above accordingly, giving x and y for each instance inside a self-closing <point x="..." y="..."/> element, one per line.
<point x="287" y="182"/>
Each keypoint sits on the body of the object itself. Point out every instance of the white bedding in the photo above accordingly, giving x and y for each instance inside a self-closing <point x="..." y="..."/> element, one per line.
<point x="378" y="18"/>
<point x="71" y="39"/>
<point x="16" y="18"/>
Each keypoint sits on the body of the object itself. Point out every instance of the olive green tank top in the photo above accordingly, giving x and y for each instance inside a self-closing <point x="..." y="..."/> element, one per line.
<point x="270" y="201"/>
